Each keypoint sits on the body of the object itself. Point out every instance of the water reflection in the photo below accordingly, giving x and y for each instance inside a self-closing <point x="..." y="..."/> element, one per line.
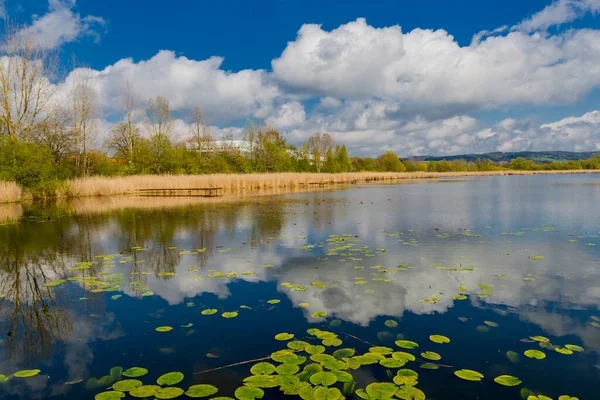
<point x="413" y="246"/>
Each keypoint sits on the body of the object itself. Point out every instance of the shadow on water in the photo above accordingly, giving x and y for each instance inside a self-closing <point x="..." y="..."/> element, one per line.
<point x="84" y="285"/>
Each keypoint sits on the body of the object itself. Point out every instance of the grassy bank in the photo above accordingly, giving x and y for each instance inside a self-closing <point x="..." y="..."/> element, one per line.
<point x="253" y="183"/>
<point x="241" y="184"/>
<point x="10" y="192"/>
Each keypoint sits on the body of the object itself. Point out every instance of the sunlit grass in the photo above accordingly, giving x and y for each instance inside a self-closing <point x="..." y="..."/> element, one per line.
<point x="253" y="183"/>
<point x="10" y="192"/>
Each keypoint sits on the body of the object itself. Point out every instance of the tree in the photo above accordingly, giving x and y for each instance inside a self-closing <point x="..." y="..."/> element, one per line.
<point x="390" y="162"/>
<point x="271" y="151"/>
<point x="319" y="144"/>
<point x="132" y="130"/>
<point x="161" y="154"/>
<point x="84" y="97"/>
<point x="24" y="86"/>
<point x="200" y="132"/>
<point x="342" y="160"/>
<point x="122" y="140"/>
<point x="160" y="120"/>
<point x="56" y="133"/>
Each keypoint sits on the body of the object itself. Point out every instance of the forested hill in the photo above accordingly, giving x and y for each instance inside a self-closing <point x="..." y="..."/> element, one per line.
<point x="536" y="156"/>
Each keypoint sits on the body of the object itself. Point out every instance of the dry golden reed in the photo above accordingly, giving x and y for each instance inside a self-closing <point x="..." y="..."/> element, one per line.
<point x="10" y="192"/>
<point x="255" y="183"/>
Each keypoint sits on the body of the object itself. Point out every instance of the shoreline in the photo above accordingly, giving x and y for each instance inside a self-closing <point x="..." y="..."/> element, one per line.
<point x="250" y="184"/>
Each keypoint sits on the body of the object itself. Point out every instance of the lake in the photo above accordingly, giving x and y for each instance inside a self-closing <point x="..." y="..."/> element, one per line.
<point x="498" y="276"/>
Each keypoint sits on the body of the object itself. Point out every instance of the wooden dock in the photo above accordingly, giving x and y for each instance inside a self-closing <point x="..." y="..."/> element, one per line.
<point x="186" y="192"/>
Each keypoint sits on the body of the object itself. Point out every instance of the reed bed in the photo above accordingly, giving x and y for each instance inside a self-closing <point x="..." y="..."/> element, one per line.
<point x="255" y="183"/>
<point x="10" y="192"/>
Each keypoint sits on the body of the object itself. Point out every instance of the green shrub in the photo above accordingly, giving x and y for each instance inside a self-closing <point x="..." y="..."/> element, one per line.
<point x="28" y="164"/>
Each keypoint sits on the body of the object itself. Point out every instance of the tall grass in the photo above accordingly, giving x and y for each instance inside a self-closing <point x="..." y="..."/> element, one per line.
<point x="10" y="192"/>
<point x="254" y="183"/>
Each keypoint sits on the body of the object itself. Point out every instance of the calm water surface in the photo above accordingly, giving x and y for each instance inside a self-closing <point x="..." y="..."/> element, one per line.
<point x="361" y="256"/>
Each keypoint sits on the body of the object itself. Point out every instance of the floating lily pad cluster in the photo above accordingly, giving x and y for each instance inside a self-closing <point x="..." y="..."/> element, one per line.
<point x="164" y="388"/>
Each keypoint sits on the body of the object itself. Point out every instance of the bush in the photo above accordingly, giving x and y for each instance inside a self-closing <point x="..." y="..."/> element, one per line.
<point x="28" y="164"/>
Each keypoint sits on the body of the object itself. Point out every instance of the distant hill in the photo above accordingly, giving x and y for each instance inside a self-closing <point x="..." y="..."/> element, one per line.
<point x="537" y="156"/>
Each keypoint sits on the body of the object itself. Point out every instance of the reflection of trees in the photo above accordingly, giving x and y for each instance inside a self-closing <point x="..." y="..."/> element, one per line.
<point x="32" y="317"/>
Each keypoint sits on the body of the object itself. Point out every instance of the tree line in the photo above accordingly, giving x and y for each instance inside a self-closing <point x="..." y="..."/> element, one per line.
<point x="46" y="136"/>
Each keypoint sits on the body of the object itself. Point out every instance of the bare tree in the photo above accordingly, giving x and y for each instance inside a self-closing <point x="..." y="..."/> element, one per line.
<point x="160" y="120"/>
<point x="25" y="89"/>
<point x="122" y="138"/>
<point x="84" y="97"/>
<point x="200" y="131"/>
<point x="56" y="133"/>
<point x="129" y="100"/>
<point x="319" y="145"/>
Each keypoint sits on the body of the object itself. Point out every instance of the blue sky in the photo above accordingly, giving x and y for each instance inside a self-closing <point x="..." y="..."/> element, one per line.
<point x="414" y="77"/>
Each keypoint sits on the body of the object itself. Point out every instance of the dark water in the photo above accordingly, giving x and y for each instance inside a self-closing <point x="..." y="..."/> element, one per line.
<point x="443" y="234"/>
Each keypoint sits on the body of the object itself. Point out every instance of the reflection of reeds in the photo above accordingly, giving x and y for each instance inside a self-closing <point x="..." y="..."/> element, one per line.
<point x="253" y="183"/>
<point x="10" y="192"/>
<point x="10" y="213"/>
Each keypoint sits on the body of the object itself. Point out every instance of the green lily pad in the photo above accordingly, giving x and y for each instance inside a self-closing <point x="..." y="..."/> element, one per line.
<point x="297" y="345"/>
<point x="127" y="385"/>
<point x="541" y="339"/>
<point x="406" y="344"/>
<point x="513" y="356"/>
<point x="410" y="393"/>
<point x="381" y="390"/>
<point x="147" y="294"/>
<point x="144" y="391"/>
<point x="319" y="314"/>
<point x="168" y="393"/>
<point x="314" y="349"/>
<point x="381" y="350"/>
<point x="284" y="336"/>
<point x="262" y="381"/>
<point x="201" y="390"/>
<point x="439" y="339"/>
<point x="403" y="356"/>
<point x="230" y="314"/>
<point x="323" y="378"/>
<point x="135" y="372"/>
<point x="469" y="375"/>
<point x="390" y="323"/>
<point x="164" y="329"/>
<point x="538" y="355"/>
<point x="262" y="368"/>
<point x="430" y="355"/>
<point x="116" y="373"/>
<point x="567" y="397"/>
<point x="170" y="379"/>
<point x="187" y="325"/>
<point x="563" y="350"/>
<point x="335" y="323"/>
<point x="342" y="353"/>
<point x="323" y="393"/>
<point x="491" y="323"/>
<point x="111" y="395"/>
<point x="343" y="376"/>
<point x="429" y="366"/>
<point x="26" y="373"/>
<point x="507" y="380"/>
<point x="249" y="393"/>
<point x="274" y="301"/>
<point x="4" y="378"/>
<point x="406" y="377"/>
<point x="304" y="305"/>
<point x="459" y="297"/>
<point x="209" y="311"/>
<point x="392" y="363"/>
<point x="287" y="369"/>
<point x="574" y="347"/>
